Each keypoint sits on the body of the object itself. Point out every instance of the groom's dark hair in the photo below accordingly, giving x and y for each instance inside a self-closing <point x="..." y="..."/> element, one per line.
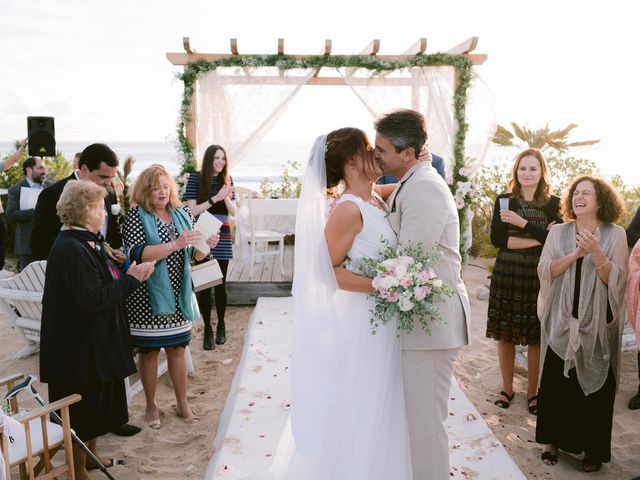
<point x="404" y="129"/>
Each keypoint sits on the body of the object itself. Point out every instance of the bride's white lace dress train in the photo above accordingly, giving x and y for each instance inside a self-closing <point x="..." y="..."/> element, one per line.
<point x="365" y="433"/>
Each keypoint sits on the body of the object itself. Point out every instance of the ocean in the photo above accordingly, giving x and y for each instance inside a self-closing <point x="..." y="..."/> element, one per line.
<point x="268" y="159"/>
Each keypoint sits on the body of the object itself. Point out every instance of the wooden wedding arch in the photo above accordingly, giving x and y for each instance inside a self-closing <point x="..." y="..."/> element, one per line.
<point x="416" y="52"/>
<point x="461" y="57"/>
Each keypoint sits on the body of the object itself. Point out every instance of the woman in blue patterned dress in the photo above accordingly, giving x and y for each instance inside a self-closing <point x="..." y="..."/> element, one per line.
<point x="161" y="311"/>
<point x="211" y="189"/>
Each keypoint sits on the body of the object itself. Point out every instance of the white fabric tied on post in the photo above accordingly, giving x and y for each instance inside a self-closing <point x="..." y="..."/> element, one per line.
<point x="238" y="115"/>
<point x="431" y="93"/>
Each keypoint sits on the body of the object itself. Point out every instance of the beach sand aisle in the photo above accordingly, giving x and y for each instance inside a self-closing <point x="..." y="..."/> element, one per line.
<point x="177" y="450"/>
<point x="478" y="373"/>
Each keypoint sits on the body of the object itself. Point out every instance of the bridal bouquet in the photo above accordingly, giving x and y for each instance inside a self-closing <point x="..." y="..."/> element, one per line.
<point x="406" y="287"/>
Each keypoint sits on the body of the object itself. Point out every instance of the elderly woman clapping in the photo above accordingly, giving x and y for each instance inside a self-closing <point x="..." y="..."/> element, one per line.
<point x="582" y="271"/>
<point x="85" y="345"/>
<point x="162" y="311"/>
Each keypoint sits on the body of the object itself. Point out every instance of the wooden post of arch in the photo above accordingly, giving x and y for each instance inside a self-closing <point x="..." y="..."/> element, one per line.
<point x="192" y="124"/>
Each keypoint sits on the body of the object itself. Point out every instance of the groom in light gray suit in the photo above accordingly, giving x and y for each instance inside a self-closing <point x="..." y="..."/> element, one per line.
<point x="423" y="211"/>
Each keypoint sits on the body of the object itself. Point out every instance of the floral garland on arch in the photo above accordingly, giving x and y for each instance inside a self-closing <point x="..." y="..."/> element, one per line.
<point x="460" y="185"/>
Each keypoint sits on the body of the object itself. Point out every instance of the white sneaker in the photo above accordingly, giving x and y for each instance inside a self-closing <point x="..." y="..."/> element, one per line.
<point x="7" y="273"/>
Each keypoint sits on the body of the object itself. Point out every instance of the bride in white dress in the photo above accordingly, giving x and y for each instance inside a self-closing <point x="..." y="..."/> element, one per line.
<point x="348" y="416"/>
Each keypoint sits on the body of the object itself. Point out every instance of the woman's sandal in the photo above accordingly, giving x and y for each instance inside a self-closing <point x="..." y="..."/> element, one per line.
<point x="504" y="404"/>
<point x="549" y="458"/>
<point x="589" y="465"/>
<point x="533" y="409"/>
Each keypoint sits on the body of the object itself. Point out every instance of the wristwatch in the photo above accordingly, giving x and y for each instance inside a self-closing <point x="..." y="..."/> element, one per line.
<point x="210" y="202"/>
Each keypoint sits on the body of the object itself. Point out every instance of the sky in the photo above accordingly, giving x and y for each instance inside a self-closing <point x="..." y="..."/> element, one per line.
<point x="100" y="68"/>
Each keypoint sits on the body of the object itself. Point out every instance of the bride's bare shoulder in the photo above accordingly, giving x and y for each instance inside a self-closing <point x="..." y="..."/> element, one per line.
<point x="345" y="216"/>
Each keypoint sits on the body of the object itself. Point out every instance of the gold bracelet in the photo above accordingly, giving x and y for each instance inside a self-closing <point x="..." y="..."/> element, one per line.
<point x="604" y="264"/>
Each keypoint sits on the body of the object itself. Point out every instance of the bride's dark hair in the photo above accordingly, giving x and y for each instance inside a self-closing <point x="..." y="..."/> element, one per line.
<point x="343" y="144"/>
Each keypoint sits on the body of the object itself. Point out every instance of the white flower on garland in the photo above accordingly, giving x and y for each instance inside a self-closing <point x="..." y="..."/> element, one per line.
<point x="116" y="209"/>
<point x="463" y="188"/>
<point x="464" y="172"/>
<point x="459" y="201"/>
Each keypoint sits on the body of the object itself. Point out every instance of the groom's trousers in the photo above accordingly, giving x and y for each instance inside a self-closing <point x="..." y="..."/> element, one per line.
<point x="427" y="385"/>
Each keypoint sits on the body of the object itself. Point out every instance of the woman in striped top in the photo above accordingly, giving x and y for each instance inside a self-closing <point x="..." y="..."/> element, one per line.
<point x="211" y="189"/>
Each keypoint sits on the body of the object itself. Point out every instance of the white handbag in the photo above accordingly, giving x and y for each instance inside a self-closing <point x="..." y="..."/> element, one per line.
<point x="206" y="275"/>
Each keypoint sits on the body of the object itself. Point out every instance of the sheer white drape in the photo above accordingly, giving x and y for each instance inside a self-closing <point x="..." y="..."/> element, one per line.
<point x="430" y="91"/>
<point x="481" y="118"/>
<point x="236" y="107"/>
<point x="238" y="112"/>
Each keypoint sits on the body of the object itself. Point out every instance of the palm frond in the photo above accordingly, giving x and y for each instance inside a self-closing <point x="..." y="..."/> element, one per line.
<point x="583" y="143"/>
<point x="564" y="132"/>
<point x="503" y="137"/>
<point x="520" y="132"/>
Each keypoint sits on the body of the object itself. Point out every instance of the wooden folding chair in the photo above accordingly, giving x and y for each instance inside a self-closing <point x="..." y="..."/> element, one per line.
<point x="30" y="434"/>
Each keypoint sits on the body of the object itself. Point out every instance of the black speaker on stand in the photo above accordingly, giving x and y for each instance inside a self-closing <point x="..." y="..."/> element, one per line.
<point x="42" y="136"/>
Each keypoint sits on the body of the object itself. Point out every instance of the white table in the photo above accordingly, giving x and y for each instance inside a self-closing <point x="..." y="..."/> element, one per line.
<point x="277" y="214"/>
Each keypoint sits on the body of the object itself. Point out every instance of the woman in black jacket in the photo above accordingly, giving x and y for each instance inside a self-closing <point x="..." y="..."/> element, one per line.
<point x="521" y="220"/>
<point x="85" y="346"/>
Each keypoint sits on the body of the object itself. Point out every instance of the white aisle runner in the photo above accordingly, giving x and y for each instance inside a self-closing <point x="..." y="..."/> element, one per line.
<point x="258" y="405"/>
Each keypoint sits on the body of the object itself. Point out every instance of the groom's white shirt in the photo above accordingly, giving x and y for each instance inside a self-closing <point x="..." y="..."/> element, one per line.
<point x="426" y="213"/>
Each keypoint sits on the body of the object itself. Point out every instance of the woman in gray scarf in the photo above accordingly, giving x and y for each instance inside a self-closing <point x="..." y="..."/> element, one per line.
<point x="582" y="273"/>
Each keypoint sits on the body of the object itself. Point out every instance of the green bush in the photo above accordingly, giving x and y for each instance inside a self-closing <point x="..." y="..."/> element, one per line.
<point x="58" y="167"/>
<point x="289" y="186"/>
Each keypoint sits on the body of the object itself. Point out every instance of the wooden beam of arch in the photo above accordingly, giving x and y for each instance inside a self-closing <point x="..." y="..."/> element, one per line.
<point x="233" y="43"/>
<point x="281" y="46"/>
<point x="417" y="48"/>
<point x="466" y="47"/>
<point x="326" y="52"/>
<point x="327" y="46"/>
<point x="372" y="48"/>
<point x="181" y="59"/>
<point x="280" y="80"/>
<point x="187" y="45"/>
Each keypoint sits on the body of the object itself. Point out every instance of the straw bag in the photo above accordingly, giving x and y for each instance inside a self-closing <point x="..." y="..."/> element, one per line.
<point x="206" y="275"/>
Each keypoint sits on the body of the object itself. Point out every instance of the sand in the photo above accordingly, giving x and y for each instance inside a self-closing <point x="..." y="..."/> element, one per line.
<point x="182" y="451"/>
<point x="177" y="450"/>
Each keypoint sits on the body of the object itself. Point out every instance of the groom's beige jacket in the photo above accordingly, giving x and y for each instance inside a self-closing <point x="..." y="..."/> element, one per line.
<point x="426" y="213"/>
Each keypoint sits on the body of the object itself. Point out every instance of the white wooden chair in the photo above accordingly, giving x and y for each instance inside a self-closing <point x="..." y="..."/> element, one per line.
<point x="258" y="236"/>
<point x="30" y="434"/>
<point x="21" y="302"/>
<point x="241" y="220"/>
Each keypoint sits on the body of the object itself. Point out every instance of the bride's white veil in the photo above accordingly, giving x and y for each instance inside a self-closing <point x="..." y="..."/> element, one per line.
<point x="314" y="284"/>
